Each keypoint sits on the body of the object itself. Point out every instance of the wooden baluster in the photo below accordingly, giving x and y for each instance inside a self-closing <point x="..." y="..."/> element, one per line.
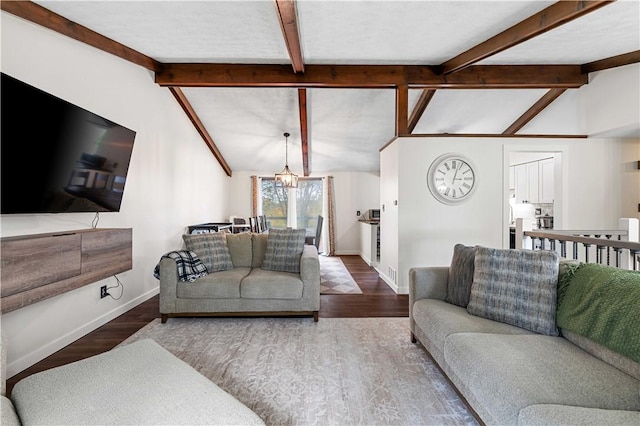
<point x="617" y="251"/>
<point x="563" y="249"/>
<point x="586" y="252"/>
<point x="599" y="250"/>
<point x="553" y="244"/>
<point x="575" y="251"/>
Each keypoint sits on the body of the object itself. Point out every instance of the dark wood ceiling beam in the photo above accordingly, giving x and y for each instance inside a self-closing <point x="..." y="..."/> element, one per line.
<point x="304" y="131"/>
<point x="612" y="62"/>
<point x="188" y="109"/>
<point x="402" y="110"/>
<point x="532" y="112"/>
<point x="421" y="106"/>
<point x="553" y="16"/>
<point x="288" y="17"/>
<point x="372" y="76"/>
<point x="39" y="15"/>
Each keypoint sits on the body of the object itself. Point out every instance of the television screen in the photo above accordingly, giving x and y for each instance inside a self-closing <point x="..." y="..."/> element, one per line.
<point x="58" y="157"/>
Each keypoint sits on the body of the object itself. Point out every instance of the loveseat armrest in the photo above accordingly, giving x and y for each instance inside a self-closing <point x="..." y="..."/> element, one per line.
<point x="310" y="275"/>
<point x="168" y="285"/>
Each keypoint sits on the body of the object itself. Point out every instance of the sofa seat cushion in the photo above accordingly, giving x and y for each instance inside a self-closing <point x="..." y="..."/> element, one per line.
<point x="217" y="285"/>
<point x="438" y="319"/>
<point x="501" y="374"/>
<point x="263" y="284"/>
<point x="553" y="414"/>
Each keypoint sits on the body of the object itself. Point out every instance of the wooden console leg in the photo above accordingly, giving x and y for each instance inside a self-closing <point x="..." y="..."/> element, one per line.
<point x="315" y="316"/>
<point x="163" y="318"/>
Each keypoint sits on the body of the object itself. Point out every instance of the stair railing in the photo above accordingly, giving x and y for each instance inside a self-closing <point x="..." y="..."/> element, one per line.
<point x="618" y="247"/>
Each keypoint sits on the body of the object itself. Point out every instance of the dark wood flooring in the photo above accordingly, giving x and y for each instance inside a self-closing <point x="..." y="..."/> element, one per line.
<point x="377" y="300"/>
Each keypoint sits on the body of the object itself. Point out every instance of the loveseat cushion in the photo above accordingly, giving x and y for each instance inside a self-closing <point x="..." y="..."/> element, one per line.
<point x="8" y="416"/>
<point x="259" y="242"/>
<point x="263" y="284"/>
<point x="501" y="374"/>
<point x="218" y="285"/>
<point x="461" y="275"/>
<point x="284" y="249"/>
<point x="211" y="248"/>
<point x="241" y="249"/>
<point x="518" y="287"/>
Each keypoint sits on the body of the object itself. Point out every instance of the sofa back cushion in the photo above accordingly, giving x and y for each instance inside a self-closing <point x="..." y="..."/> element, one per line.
<point x="211" y="248"/>
<point x="259" y="248"/>
<point x="461" y="275"/>
<point x="517" y="287"/>
<point x="284" y="249"/>
<point x="241" y="249"/>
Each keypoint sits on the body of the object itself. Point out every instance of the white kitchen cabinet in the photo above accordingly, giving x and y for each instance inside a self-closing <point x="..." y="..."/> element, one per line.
<point x="546" y="179"/>
<point x="521" y="183"/>
<point x="534" y="181"/>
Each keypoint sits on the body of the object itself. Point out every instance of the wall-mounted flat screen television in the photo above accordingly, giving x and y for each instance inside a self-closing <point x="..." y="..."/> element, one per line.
<point x="58" y="157"/>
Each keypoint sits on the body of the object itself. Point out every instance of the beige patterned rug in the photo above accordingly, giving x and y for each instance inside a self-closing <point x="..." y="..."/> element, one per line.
<point x="335" y="278"/>
<point x="338" y="371"/>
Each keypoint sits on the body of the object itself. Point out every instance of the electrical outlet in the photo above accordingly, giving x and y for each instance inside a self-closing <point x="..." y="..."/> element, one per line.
<point x="358" y="213"/>
<point x="103" y="292"/>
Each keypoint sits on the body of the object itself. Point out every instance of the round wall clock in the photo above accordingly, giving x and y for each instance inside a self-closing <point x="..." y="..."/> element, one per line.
<point x="451" y="178"/>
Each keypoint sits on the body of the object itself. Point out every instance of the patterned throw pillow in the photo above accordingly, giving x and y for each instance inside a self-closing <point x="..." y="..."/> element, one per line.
<point x="517" y="287"/>
<point x="212" y="250"/>
<point x="284" y="249"/>
<point x="461" y="275"/>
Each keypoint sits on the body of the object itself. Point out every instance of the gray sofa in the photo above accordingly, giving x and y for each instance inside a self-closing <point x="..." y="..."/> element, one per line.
<point x="252" y="286"/>
<point x="513" y="375"/>
<point x="136" y="384"/>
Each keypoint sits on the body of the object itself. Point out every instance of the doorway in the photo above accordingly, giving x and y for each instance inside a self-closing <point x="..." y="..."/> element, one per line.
<point x="534" y="188"/>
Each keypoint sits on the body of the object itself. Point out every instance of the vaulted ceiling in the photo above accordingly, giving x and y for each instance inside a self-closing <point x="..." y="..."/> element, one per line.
<point x="346" y="77"/>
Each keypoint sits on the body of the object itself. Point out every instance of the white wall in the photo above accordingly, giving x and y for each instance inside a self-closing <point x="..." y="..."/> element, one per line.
<point x="596" y="185"/>
<point x="173" y="181"/>
<point x="611" y="101"/>
<point x="353" y="191"/>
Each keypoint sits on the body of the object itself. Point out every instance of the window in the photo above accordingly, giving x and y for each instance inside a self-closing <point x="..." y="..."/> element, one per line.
<point x="283" y="210"/>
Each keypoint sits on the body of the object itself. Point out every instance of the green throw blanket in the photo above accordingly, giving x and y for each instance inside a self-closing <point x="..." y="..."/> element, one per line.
<point x="603" y="304"/>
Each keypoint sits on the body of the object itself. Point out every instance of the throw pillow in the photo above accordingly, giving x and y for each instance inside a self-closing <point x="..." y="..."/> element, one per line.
<point x="212" y="250"/>
<point x="284" y="249"/>
<point x="461" y="275"/>
<point x="517" y="287"/>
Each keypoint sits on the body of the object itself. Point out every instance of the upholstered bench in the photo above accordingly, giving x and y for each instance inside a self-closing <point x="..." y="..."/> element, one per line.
<point x="140" y="383"/>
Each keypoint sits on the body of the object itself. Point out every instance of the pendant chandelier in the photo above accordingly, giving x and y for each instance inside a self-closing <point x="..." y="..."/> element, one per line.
<point x="286" y="177"/>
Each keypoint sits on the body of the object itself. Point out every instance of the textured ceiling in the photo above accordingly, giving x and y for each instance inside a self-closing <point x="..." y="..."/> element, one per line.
<point x="347" y="127"/>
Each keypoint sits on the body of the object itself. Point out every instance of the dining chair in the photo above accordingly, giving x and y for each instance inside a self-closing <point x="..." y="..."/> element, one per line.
<point x="253" y="224"/>
<point x="263" y="222"/>
<point x="316" y="240"/>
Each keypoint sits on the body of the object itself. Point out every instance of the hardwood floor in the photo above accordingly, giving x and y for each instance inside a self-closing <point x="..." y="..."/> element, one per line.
<point x="377" y="300"/>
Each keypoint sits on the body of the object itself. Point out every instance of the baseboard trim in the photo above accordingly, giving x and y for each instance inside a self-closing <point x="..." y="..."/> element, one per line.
<point x="44" y="351"/>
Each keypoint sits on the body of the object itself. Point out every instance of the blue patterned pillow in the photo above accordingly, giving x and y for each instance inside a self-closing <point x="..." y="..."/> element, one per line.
<point x="460" y="275"/>
<point x="517" y="287"/>
<point x="212" y="250"/>
<point x="284" y="249"/>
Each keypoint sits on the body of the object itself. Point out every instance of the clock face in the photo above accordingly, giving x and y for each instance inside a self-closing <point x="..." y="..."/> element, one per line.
<point x="451" y="179"/>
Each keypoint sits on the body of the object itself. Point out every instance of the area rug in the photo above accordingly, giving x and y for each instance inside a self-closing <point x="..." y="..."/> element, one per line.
<point x="335" y="278"/>
<point x="338" y="371"/>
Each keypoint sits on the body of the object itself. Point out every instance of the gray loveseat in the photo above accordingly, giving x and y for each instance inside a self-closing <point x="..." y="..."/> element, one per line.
<point x="136" y="384"/>
<point x="532" y="373"/>
<point x="271" y="273"/>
